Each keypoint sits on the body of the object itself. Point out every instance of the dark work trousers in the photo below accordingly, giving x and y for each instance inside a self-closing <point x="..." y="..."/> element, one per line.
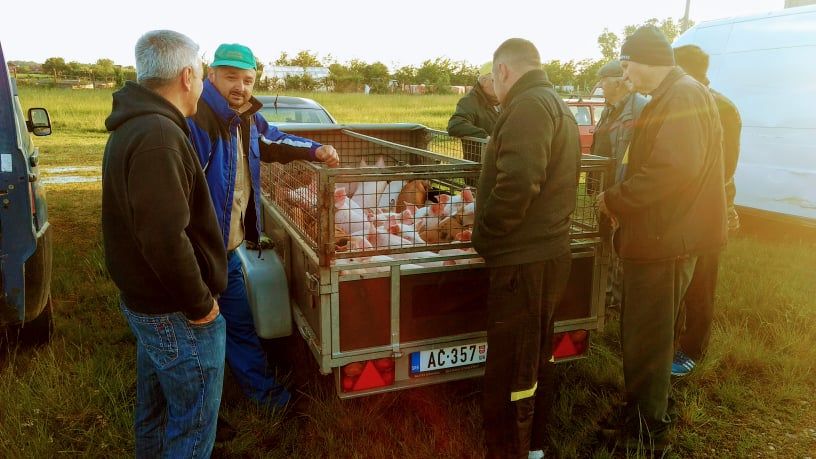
<point x="653" y="293"/>
<point x="696" y="316"/>
<point x="518" y="381"/>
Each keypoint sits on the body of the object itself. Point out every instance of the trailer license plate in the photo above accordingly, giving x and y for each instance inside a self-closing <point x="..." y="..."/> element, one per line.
<point x="448" y="357"/>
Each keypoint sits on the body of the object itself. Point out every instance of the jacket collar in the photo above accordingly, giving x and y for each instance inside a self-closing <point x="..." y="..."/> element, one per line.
<point x="675" y="74"/>
<point x="221" y="107"/>
<point x="529" y="80"/>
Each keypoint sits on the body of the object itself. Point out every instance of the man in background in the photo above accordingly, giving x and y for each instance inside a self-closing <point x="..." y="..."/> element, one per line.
<point x="611" y="139"/>
<point x="476" y="114"/>
<point x="694" y="328"/>
<point x="622" y="108"/>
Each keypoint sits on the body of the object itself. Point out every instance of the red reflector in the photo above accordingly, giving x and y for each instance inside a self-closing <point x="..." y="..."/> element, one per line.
<point x="570" y="344"/>
<point x="367" y="375"/>
<point x="369" y="378"/>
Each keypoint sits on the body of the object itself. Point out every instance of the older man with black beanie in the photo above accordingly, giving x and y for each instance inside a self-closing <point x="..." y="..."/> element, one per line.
<point x="670" y="208"/>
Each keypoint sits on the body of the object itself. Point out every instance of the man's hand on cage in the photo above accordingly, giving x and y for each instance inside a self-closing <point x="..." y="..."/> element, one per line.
<point x="328" y="155"/>
<point x="605" y="210"/>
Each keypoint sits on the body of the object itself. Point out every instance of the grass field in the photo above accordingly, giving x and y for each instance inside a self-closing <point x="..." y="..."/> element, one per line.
<point x="752" y="396"/>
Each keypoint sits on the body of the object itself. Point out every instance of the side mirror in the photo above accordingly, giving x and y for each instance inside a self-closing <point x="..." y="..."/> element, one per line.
<point x="38" y="123"/>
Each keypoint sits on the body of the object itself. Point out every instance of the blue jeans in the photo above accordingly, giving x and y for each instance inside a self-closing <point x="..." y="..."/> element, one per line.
<point x="179" y="376"/>
<point x="245" y="356"/>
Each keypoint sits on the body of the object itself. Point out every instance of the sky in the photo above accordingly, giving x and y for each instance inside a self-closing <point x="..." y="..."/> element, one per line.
<point x="394" y="33"/>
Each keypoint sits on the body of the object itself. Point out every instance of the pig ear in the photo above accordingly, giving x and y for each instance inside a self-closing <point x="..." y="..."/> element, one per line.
<point x="407" y="215"/>
<point x="363" y="162"/>
<point x="394" y="229"/>
<point x="380" y="162"/>
<point x="370" y="213"/>
<point x="443" y="198"/>
<point x="410" y="207"/>
<point x="339" y="193"/>
<point x="467" y="195"/>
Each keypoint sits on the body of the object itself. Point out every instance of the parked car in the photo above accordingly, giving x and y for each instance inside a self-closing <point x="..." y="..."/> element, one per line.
<point x="288" y="109"/>
<point x="25" y="235"/>
<point x="587" y="113"/>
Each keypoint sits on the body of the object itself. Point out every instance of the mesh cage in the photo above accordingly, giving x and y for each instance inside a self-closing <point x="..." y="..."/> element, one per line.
<point x="390" y="197"/>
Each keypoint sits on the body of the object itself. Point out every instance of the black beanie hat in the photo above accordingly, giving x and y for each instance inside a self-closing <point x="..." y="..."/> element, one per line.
<point x="694" y="61"/>
<point x="648" y="46"/>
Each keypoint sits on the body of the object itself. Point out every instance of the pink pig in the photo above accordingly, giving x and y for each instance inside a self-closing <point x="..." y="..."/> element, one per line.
<point x="348" y="215"/>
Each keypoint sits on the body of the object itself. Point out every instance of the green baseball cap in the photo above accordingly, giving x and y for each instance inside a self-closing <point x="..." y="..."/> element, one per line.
<point x="234" y="55"/>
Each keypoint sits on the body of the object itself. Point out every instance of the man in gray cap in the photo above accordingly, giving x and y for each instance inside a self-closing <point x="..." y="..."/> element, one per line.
<point x="622" y="109"/>
<point x="611" y="140"/>
<point x="670" y="207"/>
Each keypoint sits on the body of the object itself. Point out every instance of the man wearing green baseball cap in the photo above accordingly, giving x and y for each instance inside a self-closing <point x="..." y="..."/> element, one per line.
<point x="231" y="139"/>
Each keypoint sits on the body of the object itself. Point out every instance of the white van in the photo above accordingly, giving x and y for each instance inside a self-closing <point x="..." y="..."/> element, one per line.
<point x="766" y="64"/>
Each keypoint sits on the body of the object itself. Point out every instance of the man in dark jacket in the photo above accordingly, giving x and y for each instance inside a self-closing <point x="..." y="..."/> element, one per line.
<point x="231" y="139"/>
<point x="671" y="208"/>
<point x="526" y="194"/>
<point x="164" y="251"/>
<point x="698" y="313"/>
<point x="476" y="114"/>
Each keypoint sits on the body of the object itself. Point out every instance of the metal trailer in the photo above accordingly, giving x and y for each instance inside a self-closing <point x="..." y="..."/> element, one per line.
<point x="388" y="324"/>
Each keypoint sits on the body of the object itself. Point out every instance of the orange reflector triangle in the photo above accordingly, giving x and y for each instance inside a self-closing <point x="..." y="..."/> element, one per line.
<point x="369" y="378"/>
<point x="565" y="348"/>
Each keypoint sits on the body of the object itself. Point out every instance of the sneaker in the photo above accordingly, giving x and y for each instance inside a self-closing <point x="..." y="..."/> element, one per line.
<point x="682" y="364"/>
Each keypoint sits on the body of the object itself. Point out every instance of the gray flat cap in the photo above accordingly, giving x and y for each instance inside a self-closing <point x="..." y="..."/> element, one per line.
<point x="611" y="69"/>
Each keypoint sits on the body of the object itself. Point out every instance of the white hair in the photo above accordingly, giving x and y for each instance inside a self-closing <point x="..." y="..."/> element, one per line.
<point x="161" y="55"/>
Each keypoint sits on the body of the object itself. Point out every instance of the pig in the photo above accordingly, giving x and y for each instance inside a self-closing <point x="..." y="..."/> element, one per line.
<point x="414" y="192"/>
<point x="304" y="197"/>
<point x="348" y="215"/>
<point x="367" y="194"/>
<point x="404" y="223"/>
<point x="427" y="220"/>
<point x="468" y="214"/>
<point x="384" y="238"/>
<point x="389" y="198"/>
<point x="456" y="203"/>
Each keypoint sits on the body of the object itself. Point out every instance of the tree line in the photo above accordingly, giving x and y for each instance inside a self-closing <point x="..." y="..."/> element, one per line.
<point x="438" y="75"/>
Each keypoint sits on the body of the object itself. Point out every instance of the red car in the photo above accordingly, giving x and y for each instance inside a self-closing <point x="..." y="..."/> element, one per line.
<point x="587" y="112"/>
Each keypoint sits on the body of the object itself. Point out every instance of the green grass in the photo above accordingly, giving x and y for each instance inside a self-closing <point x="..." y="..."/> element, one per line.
<point x="75" y="397"/>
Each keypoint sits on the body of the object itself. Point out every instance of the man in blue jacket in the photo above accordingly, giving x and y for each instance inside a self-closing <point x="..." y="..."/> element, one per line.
<point x="231" y="139"/>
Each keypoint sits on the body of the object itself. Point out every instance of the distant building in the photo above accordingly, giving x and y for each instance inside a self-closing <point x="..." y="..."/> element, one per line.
<point x="795" y="3"/>
<point x="280" y="72"/>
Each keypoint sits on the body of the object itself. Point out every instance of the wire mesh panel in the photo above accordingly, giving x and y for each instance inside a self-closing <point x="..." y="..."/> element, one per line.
<point x="469" y="148"/>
